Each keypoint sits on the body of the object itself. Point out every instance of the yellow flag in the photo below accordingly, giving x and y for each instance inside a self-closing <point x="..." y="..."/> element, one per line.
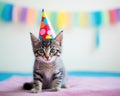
<point x="84" y="19"/>
<point x="62" y="20"/>
<point x="48" y="14"/>
<point x="106" y="19"/>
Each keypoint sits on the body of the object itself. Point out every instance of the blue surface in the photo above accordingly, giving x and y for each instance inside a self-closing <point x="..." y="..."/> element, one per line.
<point x="6" y="75"/>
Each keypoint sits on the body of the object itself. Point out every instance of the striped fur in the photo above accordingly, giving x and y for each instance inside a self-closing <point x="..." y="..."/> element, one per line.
<point x="49" y="71"/>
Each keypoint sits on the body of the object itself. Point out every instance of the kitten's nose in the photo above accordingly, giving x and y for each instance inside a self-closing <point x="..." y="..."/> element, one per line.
<point x="47" y="57"/>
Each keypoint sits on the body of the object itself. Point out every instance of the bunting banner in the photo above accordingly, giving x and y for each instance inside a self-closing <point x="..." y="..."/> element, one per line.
<point x="118" y="14"/>
<point x="113" y="16"/>
<point x="83" y="19"/>
<point x="16" y="13"/>
<point x="105" y="18"/>
<point x="13" y="13"/>
<point x="60" y="19"/>
<point x="7" y="12"/>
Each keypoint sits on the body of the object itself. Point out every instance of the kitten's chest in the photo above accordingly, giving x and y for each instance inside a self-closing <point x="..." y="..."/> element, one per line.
<point x="47" y="71"/>
<point x="48" y="74"/>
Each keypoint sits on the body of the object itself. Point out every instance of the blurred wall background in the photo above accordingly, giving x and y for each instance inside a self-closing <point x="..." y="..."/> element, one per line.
<point x="79" y="51"/>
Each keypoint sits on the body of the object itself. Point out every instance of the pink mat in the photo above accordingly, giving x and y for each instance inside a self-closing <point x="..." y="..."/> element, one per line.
<point x="79" y="86"/>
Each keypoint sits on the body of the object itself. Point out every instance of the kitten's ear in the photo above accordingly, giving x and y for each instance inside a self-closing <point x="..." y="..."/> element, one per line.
<point x="34" y="40"/>
<point x="59" y="38"/>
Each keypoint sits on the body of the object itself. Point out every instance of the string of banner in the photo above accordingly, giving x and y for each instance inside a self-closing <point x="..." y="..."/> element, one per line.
<point x="14" y="13"/>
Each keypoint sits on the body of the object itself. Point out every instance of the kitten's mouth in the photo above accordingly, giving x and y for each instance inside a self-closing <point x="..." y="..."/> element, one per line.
<point x="47" y="60"/>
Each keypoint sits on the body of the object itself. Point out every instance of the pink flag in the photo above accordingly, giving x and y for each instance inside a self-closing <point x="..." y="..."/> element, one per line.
<point x="16" y="14"/>
<point x="113" y="16"/>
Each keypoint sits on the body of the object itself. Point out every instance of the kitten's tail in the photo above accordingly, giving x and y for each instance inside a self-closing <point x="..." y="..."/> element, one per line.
<point x="28" y="86"/>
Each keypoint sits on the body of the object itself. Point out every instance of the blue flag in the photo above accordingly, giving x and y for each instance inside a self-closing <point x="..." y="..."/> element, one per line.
<point x="96" y="18"/>
<point x="7" y="12"/>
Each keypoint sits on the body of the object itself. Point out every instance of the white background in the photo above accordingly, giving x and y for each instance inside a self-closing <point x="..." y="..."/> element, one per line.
<point x="79" y="52"/>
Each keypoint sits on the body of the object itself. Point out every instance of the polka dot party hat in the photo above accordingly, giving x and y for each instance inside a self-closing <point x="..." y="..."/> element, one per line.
<point x="46" y="31"/>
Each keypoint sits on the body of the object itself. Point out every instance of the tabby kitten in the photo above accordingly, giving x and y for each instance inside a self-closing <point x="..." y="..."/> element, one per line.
<point x="49" y="71"/>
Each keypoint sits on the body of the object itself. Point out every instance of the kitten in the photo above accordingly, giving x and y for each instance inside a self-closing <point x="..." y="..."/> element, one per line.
<point x="49" y="71"/>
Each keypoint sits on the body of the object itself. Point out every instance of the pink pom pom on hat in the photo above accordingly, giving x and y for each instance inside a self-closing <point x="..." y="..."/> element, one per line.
<point x="46" y="31"/>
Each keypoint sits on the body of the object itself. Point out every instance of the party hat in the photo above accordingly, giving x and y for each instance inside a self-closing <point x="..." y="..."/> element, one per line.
<point x="46" y="31"/>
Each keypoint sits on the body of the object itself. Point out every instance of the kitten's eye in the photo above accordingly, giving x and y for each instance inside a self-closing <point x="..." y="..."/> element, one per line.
<point x="41" y="51"/>
<point x="52" y="50"/>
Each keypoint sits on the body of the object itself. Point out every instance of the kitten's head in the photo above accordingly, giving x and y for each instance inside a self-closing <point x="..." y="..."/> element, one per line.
<point x="47" y="50"/>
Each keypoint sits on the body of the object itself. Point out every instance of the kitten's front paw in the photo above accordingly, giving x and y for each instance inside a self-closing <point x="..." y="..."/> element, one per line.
<point x="65" y="86"/>
<point x="35" y="90"/>
<point x="56" y="89"/>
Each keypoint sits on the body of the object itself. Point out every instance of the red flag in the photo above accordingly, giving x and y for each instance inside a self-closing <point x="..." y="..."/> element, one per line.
<point x="113" y="16"/>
